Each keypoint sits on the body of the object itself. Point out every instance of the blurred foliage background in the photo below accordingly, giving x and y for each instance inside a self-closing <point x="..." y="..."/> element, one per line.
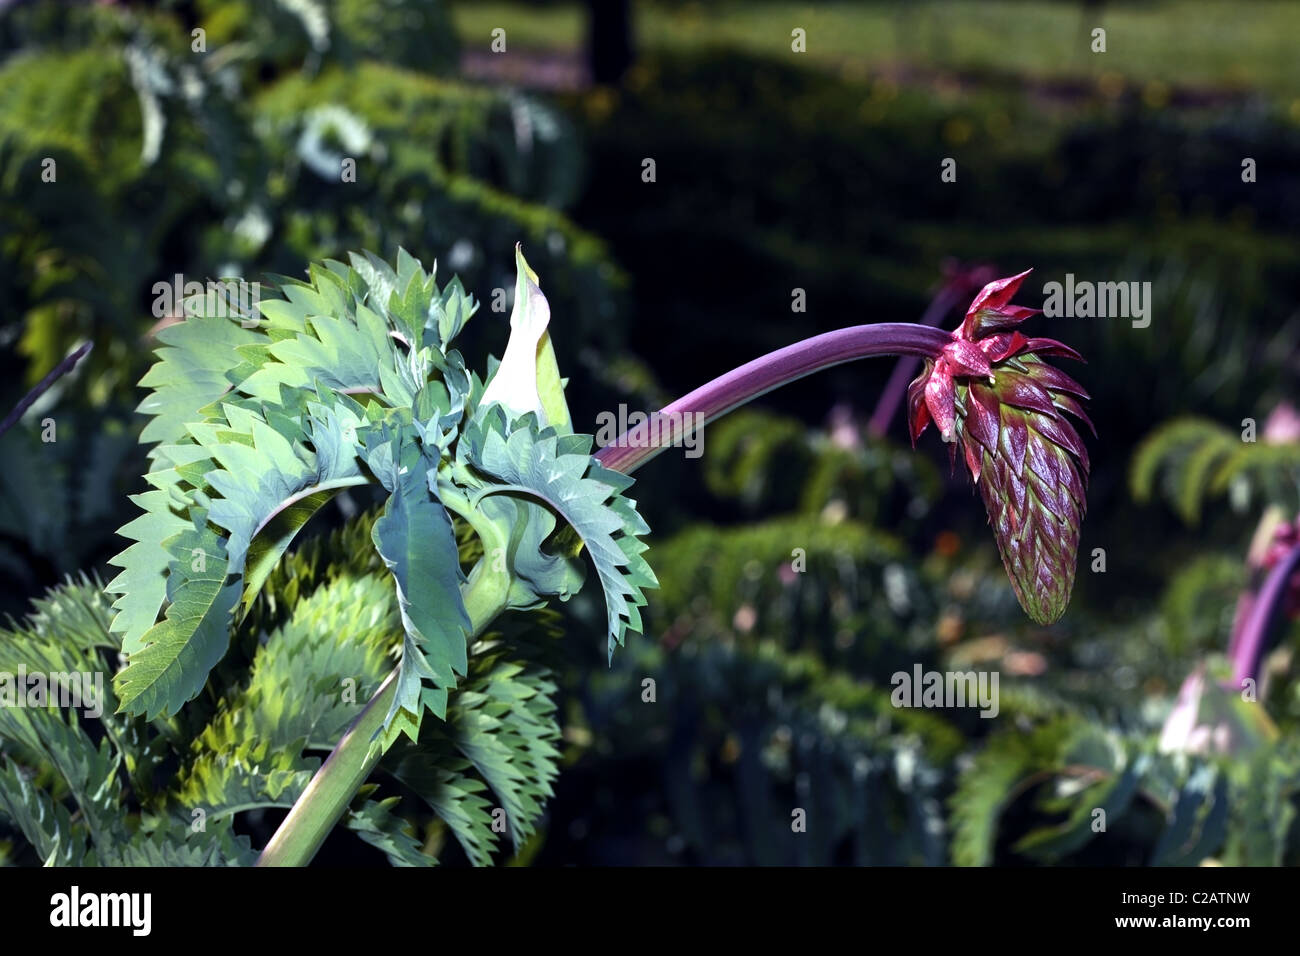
<point x="217" y="153"/>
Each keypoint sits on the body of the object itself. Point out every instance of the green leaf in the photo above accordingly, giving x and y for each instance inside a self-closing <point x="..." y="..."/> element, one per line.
<point x="307" y="683"/>
<point x="1263" y="810"/>
<point x="375" y="823"/>
<point x="180" y="845"/>
<point x="274" y="539"/>
<point x="415" y="539"/>
<point x="1112" y="796"/>
<point x="1198" y="820"/>
<point x="536" y="573"/>
<point x="178" y="652"/>
<point x="985" y="786"/>
<point x="46" y="825"/>
<point x="142" y="585"/>
<point x="504" y="724"/>
<point x="440" y="778"/>
<point x="342" y="351"/>
<point x="559" y="471"/>
<point x="190" y="373"/>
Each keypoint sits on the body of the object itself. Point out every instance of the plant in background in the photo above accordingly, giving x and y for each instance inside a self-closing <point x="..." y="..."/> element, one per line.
<point x="229" y="161"/>
<point x="489" y="498"/>
<point x="1212" y="772"/>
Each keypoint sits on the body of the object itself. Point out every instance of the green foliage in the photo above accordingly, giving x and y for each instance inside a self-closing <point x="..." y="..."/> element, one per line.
<point x="213" y="152"/>
<point x="775" y="641"/>
<point x="978" y="801"/>
<point x="558" y="471"/>
<point x="49" y="760"/>
<point x="255" y="427"/>
<point x="1190" y="460"/>
<point x="767" y="462"/>
<point x="742" y="735"/>
<point x="1196" y="608"/>
<point x="72" y="802"/>
<point x="227" y="160"/>
<point x="1074" y="785"/>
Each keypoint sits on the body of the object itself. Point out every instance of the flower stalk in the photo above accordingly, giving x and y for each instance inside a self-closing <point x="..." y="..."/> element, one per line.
<point x="989" y="392"/>
<point x="1225" y="716"/>
<point x="959" y="280"/>
<point x="727" y="392"/>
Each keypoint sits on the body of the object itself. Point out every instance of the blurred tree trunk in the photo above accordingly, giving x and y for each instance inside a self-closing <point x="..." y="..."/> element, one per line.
<point x="609" y="39"/>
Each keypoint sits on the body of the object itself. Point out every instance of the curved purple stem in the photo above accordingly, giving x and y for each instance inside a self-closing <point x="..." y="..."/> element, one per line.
<point x="1249" y="644"/>
<point x="639" y="444"/>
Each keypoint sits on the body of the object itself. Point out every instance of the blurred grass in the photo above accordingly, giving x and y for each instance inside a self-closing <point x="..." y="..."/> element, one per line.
<point x="1180" y="44"/>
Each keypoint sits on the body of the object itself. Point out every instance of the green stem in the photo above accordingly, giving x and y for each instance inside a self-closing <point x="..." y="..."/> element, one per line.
<point x="334" y="786"/>
<point x="326" y="798"/>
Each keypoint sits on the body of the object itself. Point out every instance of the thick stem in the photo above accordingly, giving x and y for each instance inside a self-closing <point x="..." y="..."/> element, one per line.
<point x="639" y="444"/>
<point x="326" y="798"/>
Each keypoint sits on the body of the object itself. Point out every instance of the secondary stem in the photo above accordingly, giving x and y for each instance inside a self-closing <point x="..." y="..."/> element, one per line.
<point x="1249" y="645"/>
<point x="63" y="368"/>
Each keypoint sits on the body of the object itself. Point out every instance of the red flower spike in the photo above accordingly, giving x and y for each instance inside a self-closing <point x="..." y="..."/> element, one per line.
<point x="1007" y="409"/>
<point x="918" y="416"/>
<point x="966" y="358"/>
<point x="990" y="310"/>
<point x="940" y="398"/>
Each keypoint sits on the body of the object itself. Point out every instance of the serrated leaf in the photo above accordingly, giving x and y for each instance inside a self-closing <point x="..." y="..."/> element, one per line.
<point x="177" y="653"/>
<point x="376" y="824"/>
<point x="191" y="372"/>
<point x="274" y="539"/>
<point x="415" y="539"/>
<point x="559" y="471"/>
<point x="142" y="585"/>
<point x="46" y="825"/>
